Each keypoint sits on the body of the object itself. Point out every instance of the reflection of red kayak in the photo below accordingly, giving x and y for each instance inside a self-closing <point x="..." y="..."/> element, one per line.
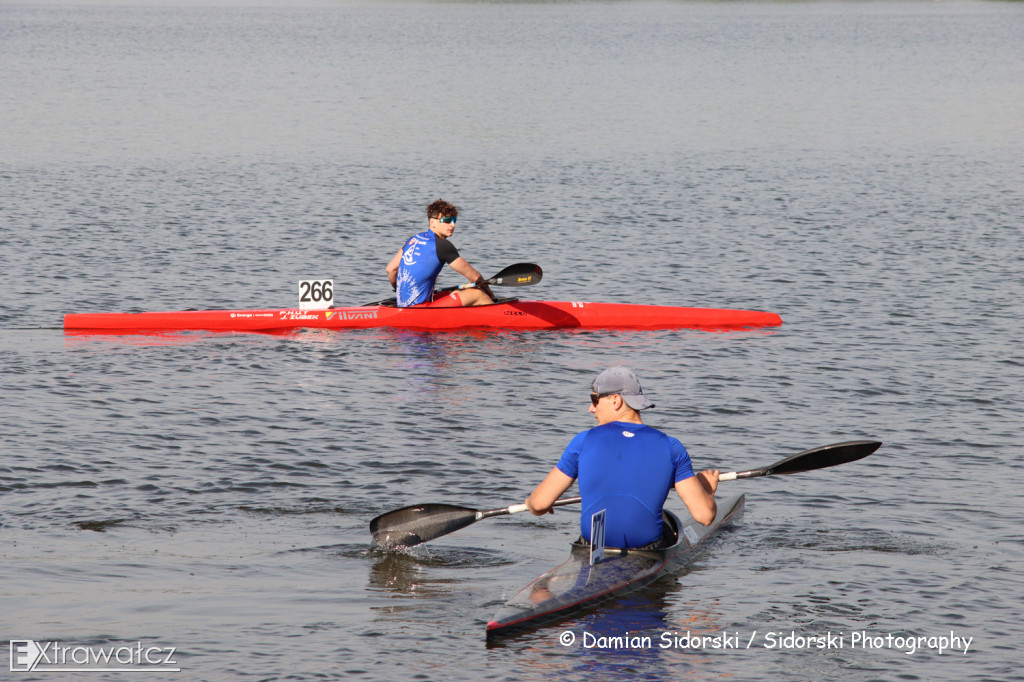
<point x="506" y="314"/>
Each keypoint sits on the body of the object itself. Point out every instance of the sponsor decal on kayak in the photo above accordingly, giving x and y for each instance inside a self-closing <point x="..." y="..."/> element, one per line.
<point x="691" y="535"/>
<point x="352" y="314"/>
<point x="310" y="315"/>
<point x="293" y="315"/>
<point x="252" y="314"/>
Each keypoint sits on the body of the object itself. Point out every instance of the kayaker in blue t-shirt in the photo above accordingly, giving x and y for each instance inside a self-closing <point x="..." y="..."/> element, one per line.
<point x="627" y="468"/>
<point x="414" y="269"/>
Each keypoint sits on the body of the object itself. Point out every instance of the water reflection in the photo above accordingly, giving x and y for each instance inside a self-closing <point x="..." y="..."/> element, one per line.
<point x="403" y="574"/>
<point x="433" y="365"/>
<point x="412" y="573"/>
<point x="76" y="338"/>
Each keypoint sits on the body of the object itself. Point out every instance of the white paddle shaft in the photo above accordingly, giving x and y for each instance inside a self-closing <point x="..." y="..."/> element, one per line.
<point x="516" y="508"/>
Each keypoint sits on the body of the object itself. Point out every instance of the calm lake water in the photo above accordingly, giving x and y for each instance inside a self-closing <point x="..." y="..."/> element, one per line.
<point x="854" y="167"/>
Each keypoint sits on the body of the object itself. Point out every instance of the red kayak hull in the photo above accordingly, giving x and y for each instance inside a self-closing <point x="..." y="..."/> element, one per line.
<point x="516" y="314"/>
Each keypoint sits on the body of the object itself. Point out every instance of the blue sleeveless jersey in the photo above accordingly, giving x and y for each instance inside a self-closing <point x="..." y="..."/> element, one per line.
<point x="423" y="256"/>
<point x="629" y="470"/>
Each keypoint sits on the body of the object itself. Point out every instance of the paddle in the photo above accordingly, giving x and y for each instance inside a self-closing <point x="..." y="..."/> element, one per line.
<point x="517" y="275"/>
<point x="810" y="460"/>
<point x="419" y="523"/>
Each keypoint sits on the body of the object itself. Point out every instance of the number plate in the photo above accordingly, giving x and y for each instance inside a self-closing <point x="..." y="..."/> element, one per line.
<point x="316" y="294"/>
<point x="597" y="537"/>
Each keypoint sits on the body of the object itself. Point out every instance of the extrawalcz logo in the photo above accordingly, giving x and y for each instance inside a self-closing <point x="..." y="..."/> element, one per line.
<point x="28" y="655"/>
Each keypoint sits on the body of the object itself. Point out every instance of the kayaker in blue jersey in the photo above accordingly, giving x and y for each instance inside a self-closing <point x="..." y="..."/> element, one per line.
<point x="414" y="269"/>
<point x="627" y="468"/>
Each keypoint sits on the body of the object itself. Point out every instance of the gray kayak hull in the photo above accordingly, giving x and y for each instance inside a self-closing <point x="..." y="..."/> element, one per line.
<point x="575" y="585"/>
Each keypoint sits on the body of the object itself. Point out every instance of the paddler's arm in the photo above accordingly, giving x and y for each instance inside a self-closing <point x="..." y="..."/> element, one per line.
<point x="698" y="494"/>
<point x="462" y="266"/>
<point x="392" y="269"/>
<point x="550" y="489"/>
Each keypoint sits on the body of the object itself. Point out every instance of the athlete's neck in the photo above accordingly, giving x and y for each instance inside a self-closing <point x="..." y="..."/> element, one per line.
<point x="628" y="415"/>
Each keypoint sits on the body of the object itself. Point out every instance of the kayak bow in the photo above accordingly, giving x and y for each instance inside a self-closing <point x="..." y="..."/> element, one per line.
<point x="505" y="314"/>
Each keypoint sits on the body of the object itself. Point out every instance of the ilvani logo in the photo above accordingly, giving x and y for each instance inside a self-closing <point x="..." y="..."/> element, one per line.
<point x="28" y="655"/>
<point x="353" y="314"/>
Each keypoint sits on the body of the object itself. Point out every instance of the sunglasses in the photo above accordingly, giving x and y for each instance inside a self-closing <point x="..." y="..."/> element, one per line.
<point x="595" y="398"/>
<point x="448" y="219"/>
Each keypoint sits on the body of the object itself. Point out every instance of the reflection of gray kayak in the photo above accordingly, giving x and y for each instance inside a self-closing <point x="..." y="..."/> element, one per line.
<point x="576" y="585"/>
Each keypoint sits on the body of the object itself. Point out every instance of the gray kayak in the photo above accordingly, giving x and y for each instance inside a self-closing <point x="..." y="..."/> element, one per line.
<point x="576" y="585"/>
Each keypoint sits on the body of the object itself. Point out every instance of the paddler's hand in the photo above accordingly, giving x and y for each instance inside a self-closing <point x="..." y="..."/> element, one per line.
<point x="709" y="480"/>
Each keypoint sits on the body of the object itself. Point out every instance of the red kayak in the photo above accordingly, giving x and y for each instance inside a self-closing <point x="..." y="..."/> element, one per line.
<point x="505" y="314"/>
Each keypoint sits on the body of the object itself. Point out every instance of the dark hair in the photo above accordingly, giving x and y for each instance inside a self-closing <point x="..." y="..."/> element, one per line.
<point x="441" y="209"/>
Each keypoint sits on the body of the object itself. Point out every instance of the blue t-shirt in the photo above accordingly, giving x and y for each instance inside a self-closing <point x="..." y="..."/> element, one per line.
<point x="423" y="256"/>
<point x="629" y="470"/>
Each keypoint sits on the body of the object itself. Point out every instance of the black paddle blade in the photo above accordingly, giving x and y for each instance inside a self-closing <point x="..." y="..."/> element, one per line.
<point x="418" y="523"/>
<point x="518" y="275"/>
<point x="825" y="456"/>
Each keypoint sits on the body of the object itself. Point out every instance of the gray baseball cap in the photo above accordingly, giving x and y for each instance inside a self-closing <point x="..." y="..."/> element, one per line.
<point x="622" y="381"/>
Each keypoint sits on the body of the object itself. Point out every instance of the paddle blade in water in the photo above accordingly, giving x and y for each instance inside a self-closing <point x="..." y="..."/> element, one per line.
<point x="419" y="523"/>
<point x="826" y="456"/>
